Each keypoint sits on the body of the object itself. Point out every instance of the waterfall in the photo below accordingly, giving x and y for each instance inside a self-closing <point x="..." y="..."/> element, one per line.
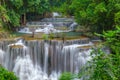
<point x="74" y="58"/>
<point x="14" y="50"/>
<point x="68" y="52"/>
<point x="2" y="53"/>
<point x="45" y="60"/>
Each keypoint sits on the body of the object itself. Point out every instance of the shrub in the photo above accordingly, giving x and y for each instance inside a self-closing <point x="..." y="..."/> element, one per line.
<point x="101" y="67"/>
<point x="6" y="75"/>
<point x="66" y="76"/>
<point x="45" y="36"/>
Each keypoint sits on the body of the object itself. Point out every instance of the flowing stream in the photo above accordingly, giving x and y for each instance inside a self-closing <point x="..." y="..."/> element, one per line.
<point x="44" y="60"/>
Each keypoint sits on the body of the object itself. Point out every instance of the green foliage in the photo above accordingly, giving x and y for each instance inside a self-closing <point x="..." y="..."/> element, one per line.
<point x="117" y="18"/>
<point x="105" y="66"/>
<point x="62" y="6"/>
<point x="100" y="67"/>
<point x="11" y="11"/>
<point x="38" y="6"/>
<point x="45" y="36"/>
<point x="21" y="6"/>
<point x="113" y="40"/>
<point x="3" y="15"/>
<point x="56" y="3"/>
<point x="66" y="76"/>
<point x="99" y="15"/>
<point x="6" y="75"/>
<point x="100" y="8"/>
<point x="14" y="18"/>
<point x="17" y="3"/>
<point x="51" y="35"/>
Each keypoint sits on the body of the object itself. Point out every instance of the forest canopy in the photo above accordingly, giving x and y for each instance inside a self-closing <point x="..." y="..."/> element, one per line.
<point x="13" y="10"/>
<point x="99" y="15"/>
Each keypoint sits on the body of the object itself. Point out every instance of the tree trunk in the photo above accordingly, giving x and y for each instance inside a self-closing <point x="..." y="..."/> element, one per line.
<point x="23" y="19"/>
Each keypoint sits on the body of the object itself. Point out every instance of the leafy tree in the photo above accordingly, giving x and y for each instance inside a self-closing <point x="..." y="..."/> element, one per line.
<point x="105" y="66"/>
<point x="113" y="40"/>
<point x="99" y="15"/>
<point x="62" y="6"/>
<point x="3" y="15"/>
<point x="11" y="11"/>
<point x="56" y="3"/>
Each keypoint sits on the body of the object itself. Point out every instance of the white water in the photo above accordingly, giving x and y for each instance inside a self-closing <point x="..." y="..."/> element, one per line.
<point x="77" y="58"/>
<point x="2" y="53"/>
<point x="38" y="60"/>
<point x="18" y="43"/>
<point x="56" y="14"/>
<point x="25" y="30"/>
<point x="47" y="30"/>
<point x="73" y="25"/>
<point x="25" y="69"/>
<point x="46" y="59"/>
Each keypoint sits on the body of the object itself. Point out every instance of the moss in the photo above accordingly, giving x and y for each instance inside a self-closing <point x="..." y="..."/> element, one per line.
<point x="16" y="46"/>
<point x="61" y="28"/>
<point x="56" y="38"/>
<point x="85" y="47"/>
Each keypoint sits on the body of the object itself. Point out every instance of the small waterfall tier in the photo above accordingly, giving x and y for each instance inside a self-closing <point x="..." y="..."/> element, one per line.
<point x="49" y="25"/>
<point x="45" y="60"/>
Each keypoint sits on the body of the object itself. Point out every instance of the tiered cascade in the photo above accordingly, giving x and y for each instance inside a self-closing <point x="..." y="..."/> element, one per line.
<point x="45" y="60"/>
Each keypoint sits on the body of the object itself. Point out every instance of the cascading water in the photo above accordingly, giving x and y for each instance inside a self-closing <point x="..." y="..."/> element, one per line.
<point x="45" y="60"/>
<point x="69" y="53"/>
<point x="45" y="70"/>
<point x="49" y="25"/>
<point x="47" y="29"/>
<point x="74" y="58"/>
<point x="2" y="53"/>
